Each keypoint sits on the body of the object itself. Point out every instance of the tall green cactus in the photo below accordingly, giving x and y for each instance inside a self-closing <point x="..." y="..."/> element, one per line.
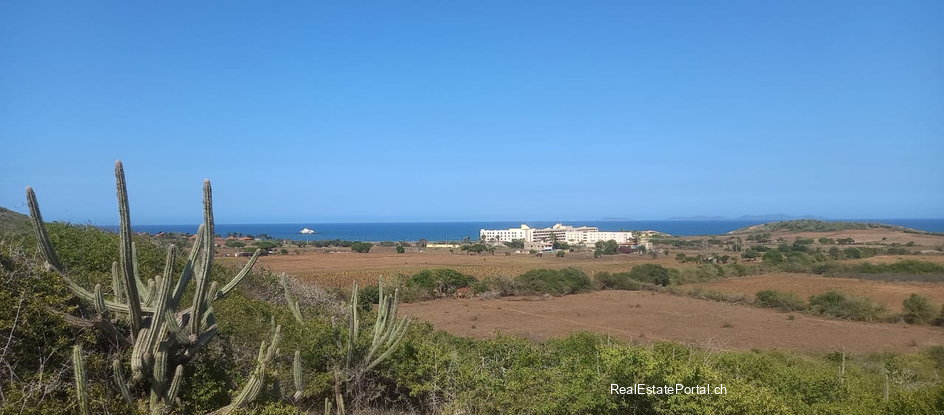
<point x="162" y="336"/>
<point x="81" y="389"/>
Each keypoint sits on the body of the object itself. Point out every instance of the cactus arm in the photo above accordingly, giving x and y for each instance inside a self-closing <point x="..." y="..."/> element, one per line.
<point x="40" y="229"/>
<point x="199" y="296"/>
<point x="158" y="381"/>
<point x="81" y="389"/>
<point x="239" y="277"/>
<point x="160" y="296"/>
<point x="134" y="261"/>
<point x="251" y="388"/>
<point x="201" y="341"/>
<point x="120" y="380"/>
<point x="297" y="375"/>
<point x="290" y="299"/>
<point x="116" y="287"/>
<point x="174" y="390"/>
<point x="126" y="251"/>
<point x="173" y="327"/>
<point x="187" y="273"/>
<point x="147" y="295"/>
<point x="393" y="344"/>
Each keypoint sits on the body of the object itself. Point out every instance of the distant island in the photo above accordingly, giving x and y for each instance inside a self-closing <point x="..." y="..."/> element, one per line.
<point x="810" y="225"/>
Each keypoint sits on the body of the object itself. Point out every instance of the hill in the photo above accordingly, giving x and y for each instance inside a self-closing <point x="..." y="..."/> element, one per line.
<point x="810" y="225"/>
<point x="11" y="221"/>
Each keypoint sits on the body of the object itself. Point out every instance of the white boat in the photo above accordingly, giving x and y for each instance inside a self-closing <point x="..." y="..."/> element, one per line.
<point x="307" y="231"/>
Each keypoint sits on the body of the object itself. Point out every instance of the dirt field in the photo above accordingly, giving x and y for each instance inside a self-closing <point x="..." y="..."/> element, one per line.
<point x="891" y="294"/>
<point x="645" y="316"/>
<point x="341" y="268"/>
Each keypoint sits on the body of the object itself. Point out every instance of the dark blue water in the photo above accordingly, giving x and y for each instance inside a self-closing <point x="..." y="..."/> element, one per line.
<point x="443" y="231"/>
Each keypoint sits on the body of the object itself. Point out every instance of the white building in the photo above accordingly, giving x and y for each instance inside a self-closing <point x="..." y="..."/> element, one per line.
<point x="587" y="235"/>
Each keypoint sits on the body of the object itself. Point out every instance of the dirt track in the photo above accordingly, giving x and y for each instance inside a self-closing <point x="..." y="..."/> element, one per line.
<point x="645" y="316"/>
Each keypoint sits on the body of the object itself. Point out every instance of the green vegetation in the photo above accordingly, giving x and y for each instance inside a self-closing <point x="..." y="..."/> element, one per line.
<point x="610" y="247"/>
<point x="13" y="223"/>
<point x="650" y="273"/>
<point x="617" y="281"/>
<point x="918" y="310"/>
<point x="840" y="305"/>
<point x="779" y="300"/>
<point x="401" y="249"/>
<point x="361" y="247"/>
<point x="553" y="281"/>
<point x="432" y="282"/>
<point x="71" y="349"/>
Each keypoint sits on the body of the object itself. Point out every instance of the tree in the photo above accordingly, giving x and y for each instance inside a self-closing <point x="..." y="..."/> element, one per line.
<point x="750" y="255"/>
<point x="361" y="247"/>
<point x="400" y="249"/>
<point x="232" y="243"/>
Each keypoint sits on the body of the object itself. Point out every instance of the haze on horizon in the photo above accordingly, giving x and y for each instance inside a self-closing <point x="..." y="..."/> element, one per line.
<point x="429" y="111"/>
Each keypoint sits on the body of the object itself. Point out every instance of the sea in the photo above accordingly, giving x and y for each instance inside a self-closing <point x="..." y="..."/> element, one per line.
<point x="457" y="231"/>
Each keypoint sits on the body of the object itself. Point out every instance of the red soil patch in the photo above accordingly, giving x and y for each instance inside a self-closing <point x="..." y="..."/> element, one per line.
<point x="639" y="316"/>
<point x="891" y="294"/>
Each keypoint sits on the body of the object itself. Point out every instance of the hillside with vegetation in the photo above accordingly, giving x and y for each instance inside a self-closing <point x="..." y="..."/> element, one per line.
<point x="99" y="322"/>
<point x="811" y="225"/>
<point x="13" y="222"/>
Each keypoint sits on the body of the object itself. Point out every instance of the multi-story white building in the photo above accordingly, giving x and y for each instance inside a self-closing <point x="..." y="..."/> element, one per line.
<point x="586" y="235"/>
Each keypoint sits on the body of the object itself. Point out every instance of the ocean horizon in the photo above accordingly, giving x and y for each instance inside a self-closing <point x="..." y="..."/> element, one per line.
<point x="456" y="231"/>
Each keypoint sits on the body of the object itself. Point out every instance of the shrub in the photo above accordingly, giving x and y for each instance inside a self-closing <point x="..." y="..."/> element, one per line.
<point x="618" y="281"/>
<point x="779" y="300"/>
<point x="841" y="305"/>
<point x="554" y="282"/>
<point x="918" y="310"/>
<point x="773" y="257"/>
<point x="650" y="273"/>
<point x="361" y="247"/>
<point x="442" y="281"/>
<point x="401" y="249"/>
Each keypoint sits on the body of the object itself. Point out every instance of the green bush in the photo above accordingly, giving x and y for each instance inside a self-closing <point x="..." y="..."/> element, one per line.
<point x="618" y="281"/>
<point x="554" y="282"/>
<point x="650" y="273"/>
<point x="779" y="300"/>
<point x="361" y="247"/>
<point x="773" y="257"/>
<point x="439" y="281"/>
<point x="918" y="310"/>
<point x="841" y="305"/>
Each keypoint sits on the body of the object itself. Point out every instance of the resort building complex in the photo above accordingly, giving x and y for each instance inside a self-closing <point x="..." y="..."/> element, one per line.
<point x="586" y="235"/>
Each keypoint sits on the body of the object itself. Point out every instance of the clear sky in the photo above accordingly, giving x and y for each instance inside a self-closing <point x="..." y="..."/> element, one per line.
<point x="473" y="110"/>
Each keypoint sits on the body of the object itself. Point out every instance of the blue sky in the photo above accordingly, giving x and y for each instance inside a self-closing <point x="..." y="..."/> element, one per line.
<point x="474" y="110"/>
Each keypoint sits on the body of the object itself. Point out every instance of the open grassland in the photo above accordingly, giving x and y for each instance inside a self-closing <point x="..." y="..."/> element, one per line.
<point x="889" y="294"/>
<point x="643" y="317"/>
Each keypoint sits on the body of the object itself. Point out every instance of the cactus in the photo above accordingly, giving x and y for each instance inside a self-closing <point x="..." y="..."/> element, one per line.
<point x="297" y="375"/>
<point x="81" y="390"/>
<point x="387" y="333"/>
<point x="162" y="336"/>
<point x="253" y="386"/>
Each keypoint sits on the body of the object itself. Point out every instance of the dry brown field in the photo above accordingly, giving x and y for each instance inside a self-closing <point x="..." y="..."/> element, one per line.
<point x="340" y="269"/>
<point x="643" y="317"/>
<point x="890" y="294"/>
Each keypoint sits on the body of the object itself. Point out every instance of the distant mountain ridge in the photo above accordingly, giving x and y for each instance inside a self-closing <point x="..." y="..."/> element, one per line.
<point x="810" y="225"/>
